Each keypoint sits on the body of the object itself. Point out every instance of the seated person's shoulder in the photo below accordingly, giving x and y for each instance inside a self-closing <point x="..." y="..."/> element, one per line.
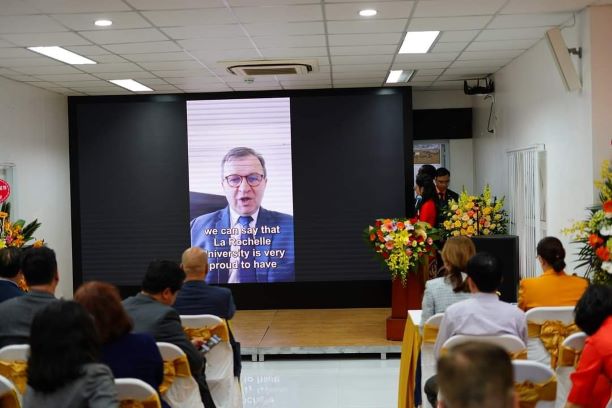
<point x="434" y="283"/>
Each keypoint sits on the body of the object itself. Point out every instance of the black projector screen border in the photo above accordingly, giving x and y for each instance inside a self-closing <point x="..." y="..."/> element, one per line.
<point x="303" y="294"/>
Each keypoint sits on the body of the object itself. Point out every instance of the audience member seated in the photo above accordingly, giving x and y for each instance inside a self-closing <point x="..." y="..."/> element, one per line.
<point x="196" y="297"/>
<point x="484" y="314"/>
<point x="151" y="311"/>
<point x="129" y="355"/>
<point x="591" y="382"/>
<point x="62" y="369"/>
<point x="39" y="268"/>
<point x="9" y="274"/>
<point x="440" y="293"/>
<point x="476" y="375"/>
<point x="554" y="287"/>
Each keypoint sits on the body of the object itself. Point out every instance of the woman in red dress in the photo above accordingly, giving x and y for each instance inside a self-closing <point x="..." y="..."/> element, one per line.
<point x="426" y="207"/>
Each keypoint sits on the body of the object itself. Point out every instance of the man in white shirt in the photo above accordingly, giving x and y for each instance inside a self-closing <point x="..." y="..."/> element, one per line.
<point x="484" y="314"/>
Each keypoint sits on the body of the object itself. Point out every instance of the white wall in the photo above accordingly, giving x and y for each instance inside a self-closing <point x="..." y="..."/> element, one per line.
<point x="532" y="106"/>
<point x="461" y="165"/>
<point x="440" y="99"/>
<point x="34" y="136"/>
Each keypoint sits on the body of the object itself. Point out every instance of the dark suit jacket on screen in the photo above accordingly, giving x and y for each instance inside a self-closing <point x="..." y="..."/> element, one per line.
<point x="16" y="316"/>
<point x="196" y="297"/>
<point x="9" y="290"/>
<point x="284" y="271"/>
<point x="163" y="323"/>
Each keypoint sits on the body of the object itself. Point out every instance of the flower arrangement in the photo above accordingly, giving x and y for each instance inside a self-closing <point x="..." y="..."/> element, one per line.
<point x="401" y="244"/>
<point x="475" y="215"/>
<point x="594" y="234"/>
<point x="16" y="234"/>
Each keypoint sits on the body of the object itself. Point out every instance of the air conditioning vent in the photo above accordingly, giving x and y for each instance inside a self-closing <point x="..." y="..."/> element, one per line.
<point x="271" y="67"/>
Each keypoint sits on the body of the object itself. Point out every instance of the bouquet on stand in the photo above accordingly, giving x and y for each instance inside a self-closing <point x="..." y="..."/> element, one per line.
<point x="594" y="234"/>
<point x="401" y="244"/>
<point x="475" y="215"/>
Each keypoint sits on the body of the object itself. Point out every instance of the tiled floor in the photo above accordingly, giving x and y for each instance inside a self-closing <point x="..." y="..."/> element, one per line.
<point x="321" y="383"/>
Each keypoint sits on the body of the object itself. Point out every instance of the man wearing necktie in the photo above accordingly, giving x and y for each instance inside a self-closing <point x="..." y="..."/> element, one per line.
<point x="245" y="242"/>
<point x="445" y="194"/>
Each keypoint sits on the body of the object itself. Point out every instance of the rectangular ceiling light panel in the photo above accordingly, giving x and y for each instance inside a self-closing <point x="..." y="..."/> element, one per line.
<point x="62" y="54"/>
<point x="418" y="42"/>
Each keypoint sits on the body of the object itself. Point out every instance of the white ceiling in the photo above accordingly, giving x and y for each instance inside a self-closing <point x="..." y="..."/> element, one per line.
<point x="176" y="45"/>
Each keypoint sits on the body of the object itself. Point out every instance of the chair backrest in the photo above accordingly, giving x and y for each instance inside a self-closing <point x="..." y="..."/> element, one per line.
<point x="508" y="342"/>
<point x="565" y="314"/>
<point x="135" y="389"/>
<point x="15" y="352"/>
<point x="527" y="370"/>
<point x="435" y="320"/>
<point x="575" y="341"/>
<point x="169" y="351"/>
<point x="200" y="320"/>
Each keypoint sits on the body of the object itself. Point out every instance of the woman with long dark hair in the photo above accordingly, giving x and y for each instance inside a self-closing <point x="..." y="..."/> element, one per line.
<point x="63" y="368"/>
<point x="554" y="287"/>
<point x="426" y="206"/>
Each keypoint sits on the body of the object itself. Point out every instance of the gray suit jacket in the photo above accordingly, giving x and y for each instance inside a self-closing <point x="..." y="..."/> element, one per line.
<point x="16" y="316"/>
<point x="164" y="324"/>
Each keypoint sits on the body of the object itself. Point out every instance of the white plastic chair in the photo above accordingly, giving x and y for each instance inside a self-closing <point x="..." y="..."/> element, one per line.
<point x="184" y="391"/>
<point x="537" y="373"/>
<point x="15" y="353"/>
<point x="512" y="344"/>
<point x="538" y="315"/>
<point x="573" y="342"/>
<point x="428" y="360"/>
<point x="135" y="389"/>
<point x="9" y="396"/>
<point x="224" y="387"/>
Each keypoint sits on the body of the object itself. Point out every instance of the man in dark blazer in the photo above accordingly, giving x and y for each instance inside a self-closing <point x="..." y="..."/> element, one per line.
<point x="196" y="297"/>
<point x="151" y="311"/>
<point x="444" y="194"/>
<point x="39" y="267"/>
<point x="9" y="274"/>
<point x="245" y="242"/>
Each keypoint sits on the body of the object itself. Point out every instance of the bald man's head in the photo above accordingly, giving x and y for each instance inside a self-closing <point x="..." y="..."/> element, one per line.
<point x="195" y="263"/>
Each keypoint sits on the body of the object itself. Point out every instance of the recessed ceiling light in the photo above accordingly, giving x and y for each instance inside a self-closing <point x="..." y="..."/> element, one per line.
<point x="63" y="55"/>
<point x="399" y="75"/>
<point x="131" y="85"/>
<point x="418" y="42"/>
<point x="368" y="13"/>
<point x="103" y="23"/>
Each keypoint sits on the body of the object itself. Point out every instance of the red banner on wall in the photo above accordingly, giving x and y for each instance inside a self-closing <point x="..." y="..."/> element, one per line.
<point x="5" y="190"/>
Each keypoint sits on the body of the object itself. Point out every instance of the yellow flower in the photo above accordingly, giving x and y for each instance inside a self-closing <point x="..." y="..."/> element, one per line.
<point x="486" y="231"/>
<point x="464" y="225"/>
<point x="470" y="230"/>
<point x="2" y="244"/>
<point x="448" y="224"/>
<point x="487" y="210"/>
<point x="463" y="231"/>
<point x="457" y="224"/>
<point x="3" y="214"/>
<point x="455" y="233"/>
<point x="454" y="207"/>
<point x="469" y="206"/>
<point x="38" y="243"/>
<point x="493" y="226"/>
<point x="497" y="217"/>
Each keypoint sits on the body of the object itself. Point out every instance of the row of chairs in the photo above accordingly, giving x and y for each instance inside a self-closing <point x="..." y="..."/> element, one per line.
<point x="534" y="363"/>
<point x="179" y="388"/>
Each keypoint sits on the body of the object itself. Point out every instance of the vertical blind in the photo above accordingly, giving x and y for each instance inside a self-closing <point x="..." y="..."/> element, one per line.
<point x="527" y="199"/>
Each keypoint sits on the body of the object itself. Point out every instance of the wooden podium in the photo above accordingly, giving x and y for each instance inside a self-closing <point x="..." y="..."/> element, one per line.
<point x="403" y="299"/>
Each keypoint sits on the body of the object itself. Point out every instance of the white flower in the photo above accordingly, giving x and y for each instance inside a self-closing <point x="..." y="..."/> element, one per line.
<point x="607" y="266"/>
<point x="606" y="231"/>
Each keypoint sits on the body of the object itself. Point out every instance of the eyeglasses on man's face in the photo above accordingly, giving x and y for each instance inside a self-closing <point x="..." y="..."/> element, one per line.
<point x="235" y="180"/>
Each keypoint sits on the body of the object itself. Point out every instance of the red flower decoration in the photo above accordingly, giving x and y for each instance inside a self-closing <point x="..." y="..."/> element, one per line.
<point x="595" y="240"/>
<point x="603" y="253"/>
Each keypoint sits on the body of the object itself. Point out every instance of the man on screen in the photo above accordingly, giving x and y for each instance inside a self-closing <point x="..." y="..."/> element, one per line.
<point x="245" y="242"/>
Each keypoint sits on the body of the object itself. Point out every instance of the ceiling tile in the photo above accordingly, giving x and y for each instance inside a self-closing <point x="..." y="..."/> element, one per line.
<point x="190" y="17"/>
<point x="362" y="74"/>
<point x="470" y="72"/>
<point x="385" y="10"/>
<point x="86" y="84"/>
<point x="449" y="46"/>
<point x="108" y="58"/>
<point x="419" y="77"/>
<point x="256" y="87"/>
<point x="297" y="52"/>
<point x="77" y="6"/>
<point x="161" y="56"/>
<point x="21" y="78"/>
<point x="430" y="71"/>
<point x="88" y="50"/>
<point x="212" y="44"/>
<point x="500" y="45"/>
<point x="193" y="81"/>
<point x="444" y="8"/>
<point x="174" y="4"/>
<point x="364" y="39"/>
<point x="440" y="56"/>
<point x="213" y="57"/>
<point x="544" y="6"/>
<point x="127" y="74"/>
<point x="124" y="36"/>
<point x="529" y="20"/>
<point x="180" y="73"/>
<point x="66" y="77"/>
<point x="368" y="26"/>
<point x="361" y="59"/>
<point x="458" y="36"/>
<point x="447" y="85"/>
<point x="29" y="62"/>
<point x="5" y="44"/>
<point x="173" y="65"/>
<point x="358" y="85"/>
<point x="207" y="31"/>
<point x="207" y="88"/>
<point x="16" y="53"/>
<point x="484" y="55"/>
<point x="298" y="86"/>
<point x="275" y="14"/>
<point x="360" y="68"/>
<point x="146" y="47"/>
<point x="28" y="24"/>
<point x="421" y="65"/>
<point x="448" y="23"/>
<point x="512" y="34"/>
<point x="290" y="41"/>
<point x="489" y="63"/>
<point x="295" y="28"/>
<point x="16" y="7"/>
<point x="364" y="50"/>
<point x="37" y="70"/>
<point x="164" y="88"/>
<point x="45" y="39"/>
<point x="120" y="21"/>
<point x="119" y="67"/>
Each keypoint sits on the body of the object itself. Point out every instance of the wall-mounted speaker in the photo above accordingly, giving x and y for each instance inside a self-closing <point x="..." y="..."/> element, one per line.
<point x="561" y="55"/>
